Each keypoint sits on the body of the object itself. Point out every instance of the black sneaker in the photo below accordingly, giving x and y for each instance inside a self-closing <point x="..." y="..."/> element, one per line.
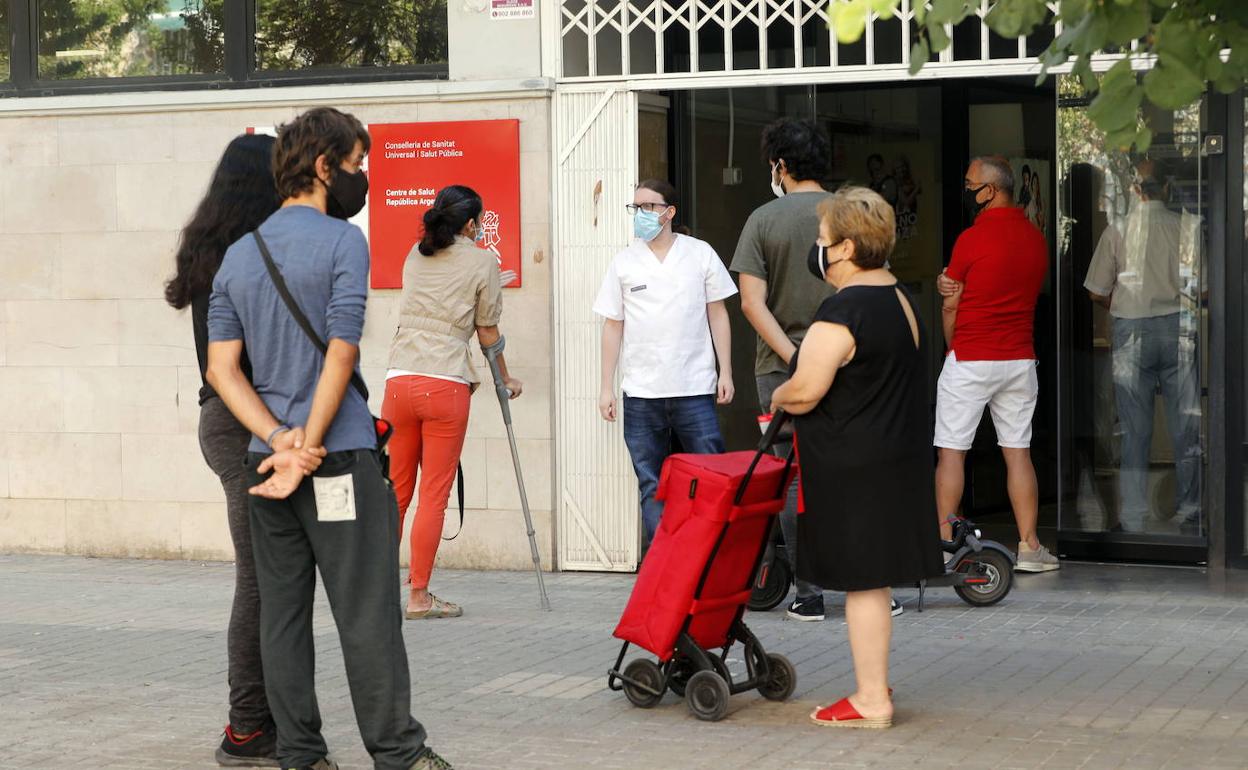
<point x="810" y="608"/>
<point x="321" y="764"/>
<point x="895" y="609"/>
<point x="256" y="750"/>
<point x="431" y="761"/>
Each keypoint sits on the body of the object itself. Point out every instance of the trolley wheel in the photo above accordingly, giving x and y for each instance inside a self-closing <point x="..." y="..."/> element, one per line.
<point x="782" y="681"/>
<point x="774" y="589"/>
<point x="678" y="675"/>
<point x="1000" y="573"/>
<point x="707" y="695"/>
<point x="644" y="672"/>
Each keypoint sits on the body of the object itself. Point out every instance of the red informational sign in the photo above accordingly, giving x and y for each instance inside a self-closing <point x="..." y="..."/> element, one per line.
<point x="410" y="162"/>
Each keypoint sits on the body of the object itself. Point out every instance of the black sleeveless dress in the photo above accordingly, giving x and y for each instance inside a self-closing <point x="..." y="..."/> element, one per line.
<point x="868" y="485"/>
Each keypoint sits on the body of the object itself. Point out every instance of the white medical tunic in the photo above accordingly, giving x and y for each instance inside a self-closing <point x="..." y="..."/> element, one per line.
<point x="667" y="350"/>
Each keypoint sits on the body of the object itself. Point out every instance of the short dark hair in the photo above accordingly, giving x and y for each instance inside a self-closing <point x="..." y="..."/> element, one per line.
<point x="320" y="131"/>
<point x="663" y="188"/>
<point x="454" y="207"/>
<point x="803" y="145"/>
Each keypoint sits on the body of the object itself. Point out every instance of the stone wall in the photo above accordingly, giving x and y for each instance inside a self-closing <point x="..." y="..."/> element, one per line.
<point x="98" y="376"/>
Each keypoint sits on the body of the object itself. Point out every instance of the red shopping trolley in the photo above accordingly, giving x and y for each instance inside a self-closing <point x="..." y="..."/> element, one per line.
<point x="693" y="586"/>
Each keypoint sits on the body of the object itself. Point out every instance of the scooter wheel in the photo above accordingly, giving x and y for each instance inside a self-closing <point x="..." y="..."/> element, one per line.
<point x="782" y="681"/>
<point x="773" y="591"/>
<point x="647" y="673"/>
<point x="707" y="695"/>
<point x="1000" y="573"/>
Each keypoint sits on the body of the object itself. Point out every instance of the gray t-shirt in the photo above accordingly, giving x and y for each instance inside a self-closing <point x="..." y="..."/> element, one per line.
<point x="773" y="246"/>
<point x="325" y="264"/>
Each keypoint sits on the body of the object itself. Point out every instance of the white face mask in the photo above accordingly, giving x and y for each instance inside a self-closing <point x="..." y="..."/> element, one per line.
<point x="776" y="187"/>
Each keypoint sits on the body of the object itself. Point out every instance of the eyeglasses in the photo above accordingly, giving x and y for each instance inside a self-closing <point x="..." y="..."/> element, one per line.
<point x="633" y="208"/>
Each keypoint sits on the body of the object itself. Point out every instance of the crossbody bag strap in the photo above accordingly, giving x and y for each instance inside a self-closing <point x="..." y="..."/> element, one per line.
<point x="279" y="283"/>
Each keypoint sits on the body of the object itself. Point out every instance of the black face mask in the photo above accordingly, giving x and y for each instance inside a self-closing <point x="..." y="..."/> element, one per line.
<point x="970" y="204"/>
<point x="817" y="261"/>
<point x="346" y="194"/>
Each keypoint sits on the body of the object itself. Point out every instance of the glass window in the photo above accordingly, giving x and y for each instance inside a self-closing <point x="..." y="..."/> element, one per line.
<point x="1133" y="232"/>
<point x="298" y="34"/>
<point x="129" y="38"/>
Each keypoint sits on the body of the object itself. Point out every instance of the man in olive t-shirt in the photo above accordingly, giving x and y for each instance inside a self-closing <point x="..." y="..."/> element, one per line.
<point x="778" y="295"/>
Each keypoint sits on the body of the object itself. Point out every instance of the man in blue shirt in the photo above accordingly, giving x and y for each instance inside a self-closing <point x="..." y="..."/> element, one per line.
<point x="307" y="422"/>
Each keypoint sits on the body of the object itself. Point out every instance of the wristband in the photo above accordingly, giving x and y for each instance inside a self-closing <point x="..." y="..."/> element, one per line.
<point x="273" y="435"/>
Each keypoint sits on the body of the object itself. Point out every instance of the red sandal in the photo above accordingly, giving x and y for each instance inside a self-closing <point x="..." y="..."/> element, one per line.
<point x="843" y="714"/>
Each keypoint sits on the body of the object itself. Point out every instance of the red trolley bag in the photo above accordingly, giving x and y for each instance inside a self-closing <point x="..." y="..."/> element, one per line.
<point x="695" y="581"/>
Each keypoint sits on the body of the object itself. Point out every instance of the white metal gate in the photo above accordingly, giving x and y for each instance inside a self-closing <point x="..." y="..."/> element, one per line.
<point x="595" y="157"/>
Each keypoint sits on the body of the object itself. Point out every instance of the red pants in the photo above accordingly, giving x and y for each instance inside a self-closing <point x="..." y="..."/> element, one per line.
<point x="430" y="418"/>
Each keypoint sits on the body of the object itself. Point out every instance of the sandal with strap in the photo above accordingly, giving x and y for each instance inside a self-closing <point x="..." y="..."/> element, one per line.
<point x="843" y="714"/>
<point x="438" y="609"/>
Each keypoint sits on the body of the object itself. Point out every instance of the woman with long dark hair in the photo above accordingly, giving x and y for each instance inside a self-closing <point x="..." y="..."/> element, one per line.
<point x="451" y="291"/>
<point x="240" y="196"/>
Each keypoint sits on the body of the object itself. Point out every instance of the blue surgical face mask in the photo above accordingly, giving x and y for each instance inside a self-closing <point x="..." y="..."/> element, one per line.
<point x="646" y="225"/>
<point x="479" y="238"/>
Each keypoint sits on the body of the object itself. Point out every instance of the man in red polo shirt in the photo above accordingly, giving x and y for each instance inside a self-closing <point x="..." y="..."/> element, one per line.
<point x="990" y="288"/>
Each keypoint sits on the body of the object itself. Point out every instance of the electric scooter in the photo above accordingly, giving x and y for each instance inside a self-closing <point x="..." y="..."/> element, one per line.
<point x="980" y="572"/>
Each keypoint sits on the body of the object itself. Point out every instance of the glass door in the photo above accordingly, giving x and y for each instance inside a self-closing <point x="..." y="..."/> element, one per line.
<point x="1134" y="327"/>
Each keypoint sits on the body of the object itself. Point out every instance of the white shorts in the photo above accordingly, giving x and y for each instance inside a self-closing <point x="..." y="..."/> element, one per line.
<point x="1008" y="388"/>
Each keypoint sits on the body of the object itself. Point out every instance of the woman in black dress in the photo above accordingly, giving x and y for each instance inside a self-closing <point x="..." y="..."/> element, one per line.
<point x="859" y="385"/>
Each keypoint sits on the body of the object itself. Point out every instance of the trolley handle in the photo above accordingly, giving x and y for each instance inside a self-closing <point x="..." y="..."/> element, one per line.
<point x="778" y="420"/>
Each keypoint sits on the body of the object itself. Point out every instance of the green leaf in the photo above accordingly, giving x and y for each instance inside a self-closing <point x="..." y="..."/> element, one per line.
<point x="1087" y="78"/>
<point x="1143" y="139"/>
<point x="1127" y="21"/>
<point x="936" y="37"/>
<point x="849" y="19"/>
<point x="1171" y="85"/>
<point x="1116" y="107"/>
<point x="919" y="57"/>
<point x="885" y="9"/>
<point x="947" y="11"/>
<point x="1015" y="18"/>
<point x="1122" y="139"/>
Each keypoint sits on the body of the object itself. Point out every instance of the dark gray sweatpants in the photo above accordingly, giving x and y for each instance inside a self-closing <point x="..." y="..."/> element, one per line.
<point x="767" y="384"/>
<point x="359" y="564"/>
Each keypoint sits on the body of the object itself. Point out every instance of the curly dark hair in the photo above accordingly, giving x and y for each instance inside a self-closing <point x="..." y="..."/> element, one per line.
<point x="454" y="207"/>
<point x="803" y="145"/>
<point x="320" y="131"/>
<point x="240" y="196"/>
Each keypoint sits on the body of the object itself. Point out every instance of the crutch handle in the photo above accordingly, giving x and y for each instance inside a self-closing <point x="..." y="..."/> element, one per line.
<point x="492" y="352"/>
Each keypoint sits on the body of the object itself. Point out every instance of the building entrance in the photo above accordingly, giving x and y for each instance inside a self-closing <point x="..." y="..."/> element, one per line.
<point x="912" y="144"/>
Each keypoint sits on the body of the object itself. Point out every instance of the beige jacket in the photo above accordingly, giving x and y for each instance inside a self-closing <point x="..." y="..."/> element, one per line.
<point x="445" y="298"/>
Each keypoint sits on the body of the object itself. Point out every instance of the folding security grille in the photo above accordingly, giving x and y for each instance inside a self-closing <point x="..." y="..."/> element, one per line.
<point x="606" y="39"/>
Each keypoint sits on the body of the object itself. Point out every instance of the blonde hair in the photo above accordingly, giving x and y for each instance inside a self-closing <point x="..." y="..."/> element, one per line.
<point x="860" y="215"/>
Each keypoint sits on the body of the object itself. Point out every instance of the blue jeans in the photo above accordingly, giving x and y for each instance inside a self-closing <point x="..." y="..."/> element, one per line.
<point x="649" y="425"/>
<point x="1151" y="353"/>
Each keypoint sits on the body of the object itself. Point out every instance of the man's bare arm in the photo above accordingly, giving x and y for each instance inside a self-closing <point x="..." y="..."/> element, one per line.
<point x="754" y="306"/>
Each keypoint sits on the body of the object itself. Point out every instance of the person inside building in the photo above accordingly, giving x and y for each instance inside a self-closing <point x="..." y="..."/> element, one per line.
<point x="306" y="418"/>
<point x="451" y="293"/>
<point x="666" y="327"/>
<point x="859" y="388"/>
<point x="777" y="297"/>
<point x="240" y="196"/>
<point x="989" y="295"/>
<point x="1146" y="278"/>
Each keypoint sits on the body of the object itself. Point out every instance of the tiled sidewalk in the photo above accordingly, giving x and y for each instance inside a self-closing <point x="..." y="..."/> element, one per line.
<point x="121" y="664"/>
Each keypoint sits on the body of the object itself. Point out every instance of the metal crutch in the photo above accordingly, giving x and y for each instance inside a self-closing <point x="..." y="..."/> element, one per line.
<point x="504" y="400"/>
